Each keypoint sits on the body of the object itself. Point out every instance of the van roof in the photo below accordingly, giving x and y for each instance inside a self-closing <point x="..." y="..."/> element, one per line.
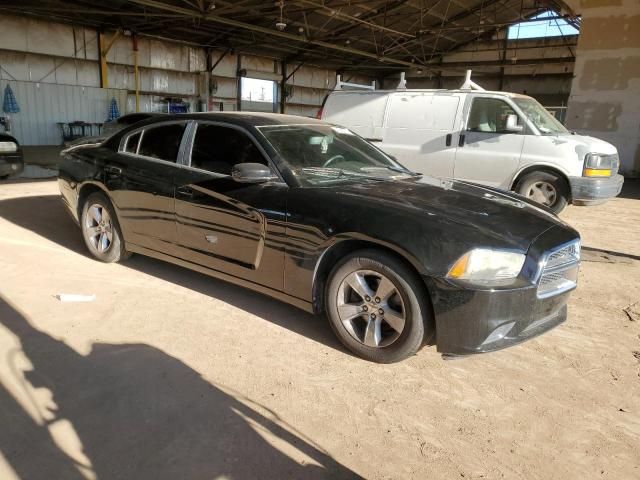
<point x="427" y="90"/>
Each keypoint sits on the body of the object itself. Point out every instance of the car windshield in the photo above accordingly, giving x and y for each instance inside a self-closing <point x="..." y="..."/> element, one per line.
<point x="321" y="154"/>
<point x="540" y="116"/>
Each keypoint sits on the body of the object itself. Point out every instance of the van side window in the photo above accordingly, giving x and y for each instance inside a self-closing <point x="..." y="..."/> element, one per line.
<point x="489" y="115"/>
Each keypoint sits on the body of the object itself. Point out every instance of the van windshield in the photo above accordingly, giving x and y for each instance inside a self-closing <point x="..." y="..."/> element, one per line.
<point x="540" y="116"/>
<point x="321" y="154"/>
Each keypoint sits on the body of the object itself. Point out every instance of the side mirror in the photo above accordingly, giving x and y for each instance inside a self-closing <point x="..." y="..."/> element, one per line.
<point x="252" y="173"/>
<point x="512" y="124"/>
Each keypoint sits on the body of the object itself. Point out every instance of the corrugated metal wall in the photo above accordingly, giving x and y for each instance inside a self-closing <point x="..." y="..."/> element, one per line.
<point x="44" y="104"/>
<point x="54" y="71"/>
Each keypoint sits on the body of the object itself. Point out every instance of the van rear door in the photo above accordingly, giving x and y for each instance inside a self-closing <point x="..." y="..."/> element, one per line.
<point x="487" y="152"/>
<point x="419" y="131"/>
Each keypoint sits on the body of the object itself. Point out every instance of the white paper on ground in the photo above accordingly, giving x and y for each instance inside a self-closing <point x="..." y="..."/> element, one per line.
<point x="72" y="297"/>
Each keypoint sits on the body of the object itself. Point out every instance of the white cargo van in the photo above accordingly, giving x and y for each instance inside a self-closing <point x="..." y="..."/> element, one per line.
<point x="498" y="139"/>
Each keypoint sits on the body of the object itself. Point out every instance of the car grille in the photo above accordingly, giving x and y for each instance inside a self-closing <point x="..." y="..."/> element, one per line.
<point x="560" y="271"/>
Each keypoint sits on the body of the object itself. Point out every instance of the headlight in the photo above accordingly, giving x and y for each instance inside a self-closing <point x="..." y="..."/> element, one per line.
<point x="8" y="147"/>
<point x="596" y="165"/>
<point x="487" y="266"/>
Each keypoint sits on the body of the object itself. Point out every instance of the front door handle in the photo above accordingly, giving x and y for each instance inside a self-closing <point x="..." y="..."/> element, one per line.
<point x="113" y="170"/>
<point x="185" y="191"/>
<point x="449" y="137"/>
<point x="461" y="140"/>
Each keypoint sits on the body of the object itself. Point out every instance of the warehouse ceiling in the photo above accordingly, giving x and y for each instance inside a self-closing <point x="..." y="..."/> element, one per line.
<point x="371" y="35"/>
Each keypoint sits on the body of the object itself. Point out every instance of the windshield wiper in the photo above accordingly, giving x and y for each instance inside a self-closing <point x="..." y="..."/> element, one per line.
<point x="394" y="169"/>
<point x="329" y="171"/>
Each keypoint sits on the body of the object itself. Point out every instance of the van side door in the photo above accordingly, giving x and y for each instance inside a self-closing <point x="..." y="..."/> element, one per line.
<point x="419" y="131"/>
<point x="487" y="152"/>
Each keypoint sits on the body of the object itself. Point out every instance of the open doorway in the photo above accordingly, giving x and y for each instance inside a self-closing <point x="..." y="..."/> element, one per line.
<point x="258" y="95"/>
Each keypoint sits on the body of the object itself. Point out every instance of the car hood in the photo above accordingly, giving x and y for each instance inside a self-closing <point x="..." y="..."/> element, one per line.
<point x="507" y="219"/>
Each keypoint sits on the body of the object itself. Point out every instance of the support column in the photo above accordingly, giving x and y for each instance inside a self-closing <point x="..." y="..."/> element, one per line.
<point x="605" y="93"/>
<point x="104" y="46"/>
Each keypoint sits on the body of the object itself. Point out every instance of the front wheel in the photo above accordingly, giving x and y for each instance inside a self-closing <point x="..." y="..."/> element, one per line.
<point x="100" y="229"/>
<point x="546" y="188"/>
<point x="377" y="306"/>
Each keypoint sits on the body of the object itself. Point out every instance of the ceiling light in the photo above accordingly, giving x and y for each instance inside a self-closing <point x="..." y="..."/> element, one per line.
<point x="280" y="24"/>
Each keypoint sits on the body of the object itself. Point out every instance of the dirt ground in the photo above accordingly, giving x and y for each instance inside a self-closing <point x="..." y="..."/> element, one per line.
<point x="171" y="374"/>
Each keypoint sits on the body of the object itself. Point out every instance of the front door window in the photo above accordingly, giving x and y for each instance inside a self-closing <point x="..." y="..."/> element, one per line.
<point x="489" y="115"/>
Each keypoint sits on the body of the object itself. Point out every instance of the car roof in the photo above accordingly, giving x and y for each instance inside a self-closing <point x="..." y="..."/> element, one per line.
<point x="245" y="119"/>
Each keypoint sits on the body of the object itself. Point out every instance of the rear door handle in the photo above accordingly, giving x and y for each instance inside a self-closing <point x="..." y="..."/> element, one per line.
<point x="461" y="140"/>
<point x="113" y="170"/>
<point x="449" y="137"/>
<point x="373" y="139"/>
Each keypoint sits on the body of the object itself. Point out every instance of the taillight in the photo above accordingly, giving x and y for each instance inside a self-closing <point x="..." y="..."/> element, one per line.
<point x="319" y="114"/>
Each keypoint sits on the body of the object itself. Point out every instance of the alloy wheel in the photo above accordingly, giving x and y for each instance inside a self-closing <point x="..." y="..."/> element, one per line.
<point x="99" y="228"/>
<point x="371" y="308"/>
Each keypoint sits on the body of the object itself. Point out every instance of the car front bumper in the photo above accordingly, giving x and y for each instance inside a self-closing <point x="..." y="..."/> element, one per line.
<point x="471" y="319"/>
<point x="478" y="321"/>
<point x="592" y="191"/>
<point x="11" y="164"/>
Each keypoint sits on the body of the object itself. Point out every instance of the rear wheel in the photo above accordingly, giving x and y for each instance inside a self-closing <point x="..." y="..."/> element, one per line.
<point x="377" y="306"/>
<point x="546" y="188"/>
<point x="100" y="229"/>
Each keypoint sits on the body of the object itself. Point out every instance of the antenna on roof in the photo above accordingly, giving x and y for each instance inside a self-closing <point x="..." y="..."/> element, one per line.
<point x="469" y="84"/>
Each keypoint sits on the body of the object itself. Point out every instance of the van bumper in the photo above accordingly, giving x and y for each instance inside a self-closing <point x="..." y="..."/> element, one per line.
<point x="592" y="191"/>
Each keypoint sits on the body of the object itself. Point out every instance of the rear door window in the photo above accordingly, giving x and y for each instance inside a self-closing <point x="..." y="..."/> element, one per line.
<point x="132" y="143"/>
<point x="162" y="142"/>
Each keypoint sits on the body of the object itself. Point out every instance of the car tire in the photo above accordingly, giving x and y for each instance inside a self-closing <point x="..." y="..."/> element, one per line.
<point x="101" y="230"/>
<point x="387" y="289"/>
<point x="549" y="189"/>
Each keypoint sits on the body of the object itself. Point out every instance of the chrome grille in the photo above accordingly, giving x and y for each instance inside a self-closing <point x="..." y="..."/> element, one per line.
<point x="560" y="271"/>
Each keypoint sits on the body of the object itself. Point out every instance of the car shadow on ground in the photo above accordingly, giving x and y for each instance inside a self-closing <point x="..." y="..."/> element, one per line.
<point x="138" y="412"/>
<point x="46" y="216"/>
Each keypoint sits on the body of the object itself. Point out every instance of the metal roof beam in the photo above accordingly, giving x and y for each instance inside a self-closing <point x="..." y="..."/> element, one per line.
<point x="268" y="31"/>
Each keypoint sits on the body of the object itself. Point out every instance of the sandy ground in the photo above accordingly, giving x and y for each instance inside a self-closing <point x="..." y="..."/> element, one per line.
<point x="171" y="374"/>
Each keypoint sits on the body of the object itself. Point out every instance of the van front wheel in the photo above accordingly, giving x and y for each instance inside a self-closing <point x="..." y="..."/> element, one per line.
<point x="549" y="189"/>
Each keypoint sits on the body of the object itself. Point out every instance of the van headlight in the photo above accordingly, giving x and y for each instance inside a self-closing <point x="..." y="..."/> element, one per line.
<point x="596" y="165"/>
<point x="486" y="267"/>
<point x="8" y="147"/>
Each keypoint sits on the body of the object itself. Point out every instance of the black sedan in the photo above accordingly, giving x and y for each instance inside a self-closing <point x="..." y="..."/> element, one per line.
<point x="11" y="161"/>
<point x="314" y="215"/>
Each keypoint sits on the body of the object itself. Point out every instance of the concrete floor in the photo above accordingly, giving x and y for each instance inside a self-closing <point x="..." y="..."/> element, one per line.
<point x="171" y="374"/>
